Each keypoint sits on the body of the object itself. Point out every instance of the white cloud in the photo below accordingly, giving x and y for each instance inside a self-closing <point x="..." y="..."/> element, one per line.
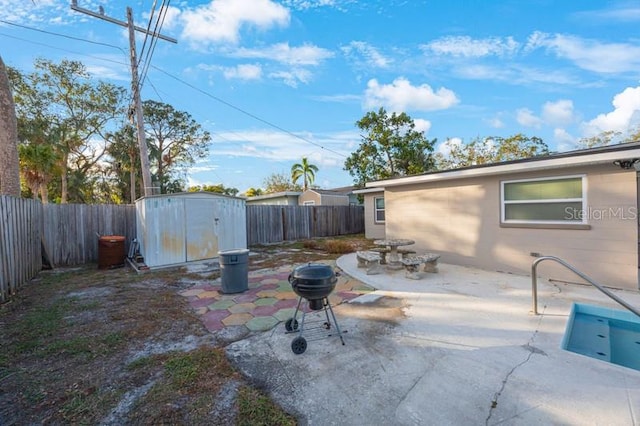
<point x="307" y="54"/>
<point x="514" y="74"/>
<point x="311" y="4"/>
<point x="527" y="118"/>
<point x="220" y="21"/>
<point x="564" y="140"/>
<point x="495" y="122"/>
<point x="372" y="57"/>
<point x="587" y="54"/>
<point x="559" y="112"/>
<point x="422" y="125"/>
<point x="292" y="77"/>
<point x="444" y="148"/>
<point x="401" y="96"/>
<point x="171" y="17"/>
<point x="243" y="72"/>
<point x="625" y="114"/>
<point x="620" y="13"/>
<point x="277" y="146"/>
<point x="467" y="47"/>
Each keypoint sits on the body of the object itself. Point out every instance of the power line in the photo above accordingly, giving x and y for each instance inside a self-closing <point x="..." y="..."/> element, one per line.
<point x="64" y="50"/>
<point x="154" y="40"/>
<point x="60" y="35"/>
<point x="146" y="34"/>
<point x="255" y="117"/>
<point x="147" y="65"/>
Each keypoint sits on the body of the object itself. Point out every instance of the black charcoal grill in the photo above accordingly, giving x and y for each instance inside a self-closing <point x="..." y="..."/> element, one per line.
<point x="313" y="283"/>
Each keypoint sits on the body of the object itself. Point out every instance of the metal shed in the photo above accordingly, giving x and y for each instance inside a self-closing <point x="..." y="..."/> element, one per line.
<point x="185" y="227"/>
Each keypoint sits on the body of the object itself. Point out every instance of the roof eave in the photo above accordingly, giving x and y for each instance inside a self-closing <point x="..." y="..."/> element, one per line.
<point x="531" y="165"/>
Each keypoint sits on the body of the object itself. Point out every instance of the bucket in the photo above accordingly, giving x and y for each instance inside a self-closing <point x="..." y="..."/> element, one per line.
<point x="110" y="251"/>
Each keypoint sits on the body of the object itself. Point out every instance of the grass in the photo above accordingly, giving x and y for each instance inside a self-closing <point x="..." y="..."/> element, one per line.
<point x="75" y="343"/>
<point x="256" y="409"/>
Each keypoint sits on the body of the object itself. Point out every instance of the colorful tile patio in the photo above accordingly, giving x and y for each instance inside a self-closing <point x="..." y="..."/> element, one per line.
<point x="268" y="301"/>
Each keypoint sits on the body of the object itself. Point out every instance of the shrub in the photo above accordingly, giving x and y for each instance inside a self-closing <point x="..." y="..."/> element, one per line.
<point x="338" y="247"/>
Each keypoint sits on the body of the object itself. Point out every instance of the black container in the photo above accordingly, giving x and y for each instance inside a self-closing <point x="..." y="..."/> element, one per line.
<point x="314" y="282"/>
<point x="234" y="270"/>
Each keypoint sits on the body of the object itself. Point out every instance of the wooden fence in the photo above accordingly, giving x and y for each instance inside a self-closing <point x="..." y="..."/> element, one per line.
<point x="20" y="243"/>
<point x="271" y="224"/>
<point x="67" y="234"/>
<point x="70" y="231"/>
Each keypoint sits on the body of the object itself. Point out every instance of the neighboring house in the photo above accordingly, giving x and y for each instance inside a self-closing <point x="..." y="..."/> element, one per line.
<point x="323" y="197"/>
<point x="288" y="198"/>
<point x="374" y="212"/>
<point x="348" y="191"/>
<point x="581" y="206"/>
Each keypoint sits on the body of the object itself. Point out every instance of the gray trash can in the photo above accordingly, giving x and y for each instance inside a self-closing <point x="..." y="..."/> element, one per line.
<point x="234" y="270"/>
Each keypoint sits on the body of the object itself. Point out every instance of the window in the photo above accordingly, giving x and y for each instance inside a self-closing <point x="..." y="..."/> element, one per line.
<point x="309" y="203"/>
<point x="557" y="200"/>
<point x="378" y="209"/>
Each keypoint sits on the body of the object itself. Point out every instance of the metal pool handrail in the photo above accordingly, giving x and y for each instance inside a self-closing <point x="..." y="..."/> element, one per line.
<point x="534" y="283"/>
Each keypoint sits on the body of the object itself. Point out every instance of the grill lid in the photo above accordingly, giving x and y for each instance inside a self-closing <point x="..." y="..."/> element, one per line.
<point x="313" y="271"/>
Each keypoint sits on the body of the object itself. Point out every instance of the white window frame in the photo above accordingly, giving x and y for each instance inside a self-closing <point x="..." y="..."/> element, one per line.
<point x="582" y="200"/>
<point x="376" y="210"/>
<point x="309" y="203"/>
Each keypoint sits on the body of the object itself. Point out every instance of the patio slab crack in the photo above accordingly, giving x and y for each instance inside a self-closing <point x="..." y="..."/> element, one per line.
<point x="531" y="351"/>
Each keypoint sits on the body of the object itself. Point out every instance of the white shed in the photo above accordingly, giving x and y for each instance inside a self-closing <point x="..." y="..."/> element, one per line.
<point x="178" y="228"/>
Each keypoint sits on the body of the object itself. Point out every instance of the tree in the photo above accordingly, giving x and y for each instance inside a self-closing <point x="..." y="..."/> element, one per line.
<point x="253" y="192"/>
<point x="609" y="137"/>
<point x="305" y="170"/>
<point x="279" y="182"/>
<point x="125" y="161"/>
<point x="38" y="164"/>
<point x="175" y="142"/>
<point x="61" y="104"/>
<point x="9" y="160"/>
<point x="217" y="189"/>
<point x="390" y="147"/>
<point x="490" y="150"/>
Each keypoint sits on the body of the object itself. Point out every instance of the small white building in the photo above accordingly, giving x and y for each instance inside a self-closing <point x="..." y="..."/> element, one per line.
<point x="174" y="229"/>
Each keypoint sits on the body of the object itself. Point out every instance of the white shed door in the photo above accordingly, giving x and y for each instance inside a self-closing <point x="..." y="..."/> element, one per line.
<point x="200" y="223"/>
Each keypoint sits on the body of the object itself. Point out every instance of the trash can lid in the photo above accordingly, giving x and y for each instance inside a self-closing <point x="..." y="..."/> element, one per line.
<point x="233" y="252"/>
<point x="112" y="238"/>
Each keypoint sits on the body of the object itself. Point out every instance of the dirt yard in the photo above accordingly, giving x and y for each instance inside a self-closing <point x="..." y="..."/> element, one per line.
<point x="112" y="347"/>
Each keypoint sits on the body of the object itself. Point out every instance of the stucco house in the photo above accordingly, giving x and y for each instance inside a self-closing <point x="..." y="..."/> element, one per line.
<point x="285" y="198"/>
<point x="581" y="206"/>
<point x="323" y="197"/>
<point x="310" y="197"/>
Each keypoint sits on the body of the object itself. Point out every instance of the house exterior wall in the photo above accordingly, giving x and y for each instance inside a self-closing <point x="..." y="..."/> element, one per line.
<point x="461" y="220"/>
<point x="285" y="200"/>
<point x="372" y="229"/>
<point x="307" y="196"/>
<point x="323" y="199"/>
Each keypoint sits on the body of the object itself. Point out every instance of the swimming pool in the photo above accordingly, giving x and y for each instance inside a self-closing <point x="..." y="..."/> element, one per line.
<point x="606" y="334"/>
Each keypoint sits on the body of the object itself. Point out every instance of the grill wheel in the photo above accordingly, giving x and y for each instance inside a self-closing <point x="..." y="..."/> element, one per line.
<point x="299" y="345"/>
<point x="291" y="324"/>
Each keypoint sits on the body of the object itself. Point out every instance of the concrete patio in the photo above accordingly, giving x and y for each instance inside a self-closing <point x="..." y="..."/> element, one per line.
<point x="458" y="347"/>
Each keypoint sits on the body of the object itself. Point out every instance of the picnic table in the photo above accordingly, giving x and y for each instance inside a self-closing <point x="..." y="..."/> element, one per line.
<point x="392" y="244"/>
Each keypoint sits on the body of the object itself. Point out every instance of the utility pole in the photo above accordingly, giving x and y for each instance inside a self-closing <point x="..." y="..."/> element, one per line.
<point x="135" y="86"/>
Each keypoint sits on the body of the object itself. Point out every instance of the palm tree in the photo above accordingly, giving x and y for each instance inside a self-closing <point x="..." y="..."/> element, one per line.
<point x="305" y="170"/>
<point x="9" y="163"/>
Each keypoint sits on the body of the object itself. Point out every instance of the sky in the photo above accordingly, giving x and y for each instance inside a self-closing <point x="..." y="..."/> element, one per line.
<point x="276" y="81"/>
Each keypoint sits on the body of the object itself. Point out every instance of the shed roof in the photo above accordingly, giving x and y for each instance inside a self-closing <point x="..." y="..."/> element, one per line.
<point x="275" y="195"/>
<point x="198" y="194"/>
<point x="582" y="157"/>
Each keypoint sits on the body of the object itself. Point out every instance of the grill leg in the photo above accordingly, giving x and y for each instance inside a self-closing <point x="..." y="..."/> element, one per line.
<point x="334" y="320"/>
